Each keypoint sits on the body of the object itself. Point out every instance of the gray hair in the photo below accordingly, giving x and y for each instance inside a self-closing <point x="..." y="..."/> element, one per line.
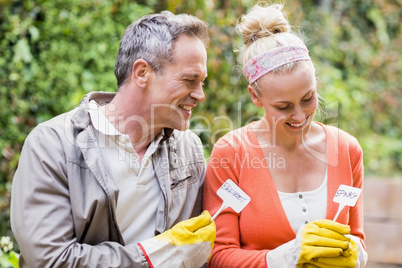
<point x="152" y="38"/>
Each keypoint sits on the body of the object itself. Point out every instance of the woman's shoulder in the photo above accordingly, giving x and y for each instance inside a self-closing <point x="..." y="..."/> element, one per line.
<point x="340" y="136"/>
<point x="237" y="137"/>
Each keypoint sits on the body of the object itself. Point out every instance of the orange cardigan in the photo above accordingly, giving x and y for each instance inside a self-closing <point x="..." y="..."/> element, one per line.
<point x="243" y="240"/>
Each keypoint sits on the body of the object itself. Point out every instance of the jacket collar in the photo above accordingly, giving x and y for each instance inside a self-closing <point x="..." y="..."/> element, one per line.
<point x="81" y="118"/>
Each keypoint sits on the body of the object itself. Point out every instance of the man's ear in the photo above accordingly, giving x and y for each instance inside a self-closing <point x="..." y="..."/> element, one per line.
<point x="256" y="99"/>
<point x="140" y="72"/>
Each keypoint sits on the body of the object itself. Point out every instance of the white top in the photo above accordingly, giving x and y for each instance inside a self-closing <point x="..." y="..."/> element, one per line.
<point x="139" y="188"/>
<point x="304" y="207"/>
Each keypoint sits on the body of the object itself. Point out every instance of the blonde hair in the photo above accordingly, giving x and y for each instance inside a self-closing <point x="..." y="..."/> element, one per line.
<point x="263" y="28"/>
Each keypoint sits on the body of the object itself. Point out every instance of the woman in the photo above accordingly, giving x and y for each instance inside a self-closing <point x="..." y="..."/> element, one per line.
<point x="289" y="165"/>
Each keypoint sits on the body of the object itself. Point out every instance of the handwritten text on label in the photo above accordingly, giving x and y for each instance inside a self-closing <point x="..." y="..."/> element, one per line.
<point x="233" y="196"/>
<point x="346" y="194"/>
<point x="226" y="186"/>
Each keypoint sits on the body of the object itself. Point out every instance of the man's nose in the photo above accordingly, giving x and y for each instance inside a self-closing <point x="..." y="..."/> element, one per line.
<point x="198" y="93"/>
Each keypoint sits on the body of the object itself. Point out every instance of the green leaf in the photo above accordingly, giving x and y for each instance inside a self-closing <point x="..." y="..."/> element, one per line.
<point x="22" y="51"/>
<point x="13" y="259"/>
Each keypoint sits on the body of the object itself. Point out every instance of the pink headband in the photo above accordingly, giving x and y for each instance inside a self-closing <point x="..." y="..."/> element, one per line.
<point x="264" y="63"/>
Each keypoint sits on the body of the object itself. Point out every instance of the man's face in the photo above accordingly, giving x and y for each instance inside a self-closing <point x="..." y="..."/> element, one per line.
<point x="175" y="92"/>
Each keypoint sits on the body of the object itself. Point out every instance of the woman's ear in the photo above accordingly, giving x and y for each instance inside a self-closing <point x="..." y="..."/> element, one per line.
<point x="256" y="99"/>
<point x="140" y="72"/>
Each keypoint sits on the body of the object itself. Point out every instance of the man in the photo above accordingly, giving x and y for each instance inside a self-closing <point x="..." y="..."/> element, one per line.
<point x="102" y="185"/>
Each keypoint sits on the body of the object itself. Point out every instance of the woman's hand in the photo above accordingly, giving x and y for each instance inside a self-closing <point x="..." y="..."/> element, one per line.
<point x="323" y="243"/>
<point x="320" y="243"/>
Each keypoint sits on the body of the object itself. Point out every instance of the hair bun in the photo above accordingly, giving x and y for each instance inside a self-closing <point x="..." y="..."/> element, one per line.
<point x="262" y="21"/>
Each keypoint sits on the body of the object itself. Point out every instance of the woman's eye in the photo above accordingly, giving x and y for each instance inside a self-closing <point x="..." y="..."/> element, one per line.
<point x="309" y="99"/>
<point x="283" y="108"/>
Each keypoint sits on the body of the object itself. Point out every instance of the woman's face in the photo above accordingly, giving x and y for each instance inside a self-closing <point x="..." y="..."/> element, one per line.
<point x="290" y="100"/>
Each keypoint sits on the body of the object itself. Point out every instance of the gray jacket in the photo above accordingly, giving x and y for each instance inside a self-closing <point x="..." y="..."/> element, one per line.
<point x="64" y="199"/>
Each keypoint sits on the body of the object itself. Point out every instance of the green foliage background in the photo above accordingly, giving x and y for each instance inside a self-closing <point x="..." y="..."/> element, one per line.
<point x="53" y="52"/>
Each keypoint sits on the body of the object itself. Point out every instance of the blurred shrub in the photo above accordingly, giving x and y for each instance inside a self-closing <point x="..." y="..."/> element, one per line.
<point x="357" y="48"/>
<point x="8" y="257"/>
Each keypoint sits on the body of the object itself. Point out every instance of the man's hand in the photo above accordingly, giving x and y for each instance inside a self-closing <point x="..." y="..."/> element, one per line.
<point x="187" y="244"/>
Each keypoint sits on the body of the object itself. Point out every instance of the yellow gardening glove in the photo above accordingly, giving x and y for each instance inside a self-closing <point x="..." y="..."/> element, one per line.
<point x="309" y="265"/>
<point x="347" y="259"/>
<point x="322" y="238"/>
<point x="191" y="231"/>
<point x="317" y="239"/>
<point x="187" y="244"/>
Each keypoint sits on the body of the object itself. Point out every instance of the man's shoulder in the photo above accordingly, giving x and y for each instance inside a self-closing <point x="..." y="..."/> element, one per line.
<point x="184" y="137"/>
<point x="58" y="129"/>
<point x="53" y="124"/>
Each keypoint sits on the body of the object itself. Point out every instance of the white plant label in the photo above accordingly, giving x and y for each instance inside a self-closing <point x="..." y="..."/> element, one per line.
<point x="346" y="196"/>
<point x="232" y="196"/>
